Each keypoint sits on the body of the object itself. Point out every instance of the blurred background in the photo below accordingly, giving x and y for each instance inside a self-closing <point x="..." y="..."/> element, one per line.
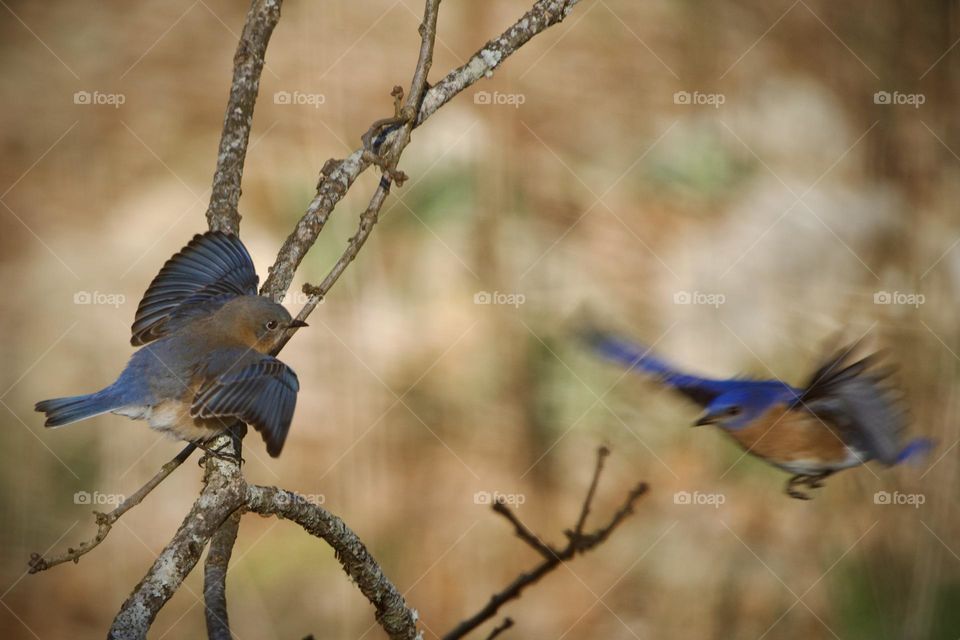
<point x="734" y="183"/>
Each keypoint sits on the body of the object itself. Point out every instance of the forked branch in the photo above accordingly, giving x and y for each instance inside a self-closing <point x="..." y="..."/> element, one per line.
<point x="578" y="542"/>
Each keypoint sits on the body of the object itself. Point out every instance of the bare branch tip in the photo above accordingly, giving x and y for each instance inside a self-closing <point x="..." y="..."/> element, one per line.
<point x="500" y="628"/>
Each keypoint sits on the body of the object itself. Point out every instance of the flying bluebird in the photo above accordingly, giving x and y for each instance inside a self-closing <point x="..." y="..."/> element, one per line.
<point x="206" y="362"/>
<point x="842" y="417"/>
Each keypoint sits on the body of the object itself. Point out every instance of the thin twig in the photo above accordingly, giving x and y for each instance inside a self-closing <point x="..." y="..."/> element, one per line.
<point x="500" y="628"/>
<point x="602" y="454"/>
<point x="105" y="521"/>
<point x="576" y="544"/>
<point x="626" y="509"/>
<point x="524" y="533"/>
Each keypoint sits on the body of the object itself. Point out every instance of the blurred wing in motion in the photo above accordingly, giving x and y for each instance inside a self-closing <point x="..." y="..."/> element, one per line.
<point x="196" y="281"/>
<point x="635" y="356"/>
<point x="262" y="394"/>
<point x="851" y="395"/>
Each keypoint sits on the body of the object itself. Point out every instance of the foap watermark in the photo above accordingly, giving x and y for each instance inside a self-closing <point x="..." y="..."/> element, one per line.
<point x="912" y="499"/>
<point x="906" y="298"/>
<point x="497" y="98"/>
<point x="699" y="297"/>
<point x="288" y="497"/>
<point x="898" y="98"/>
<point x="299" y="98"/>
<point x="697" y="98"/>
<point x="97" y="498"/>
<point x="99" y="297"/>
<point x="699" y="498"/>
<point x="114" y="100"/>
<point x="491" y="497"/>
<point x="298" y="298"/>
<point x="498" y="297"/>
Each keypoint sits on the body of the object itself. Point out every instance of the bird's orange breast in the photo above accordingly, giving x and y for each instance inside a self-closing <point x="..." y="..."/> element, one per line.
<point x="782" y="435"/>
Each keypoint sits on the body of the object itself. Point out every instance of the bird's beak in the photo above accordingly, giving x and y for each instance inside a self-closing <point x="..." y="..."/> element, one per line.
<point x="705" y="419"/>
<point x="297" y="323"/>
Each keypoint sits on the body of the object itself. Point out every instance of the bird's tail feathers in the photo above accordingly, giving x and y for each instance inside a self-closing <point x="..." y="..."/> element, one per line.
<point x="63" y="411"/>
<point x="915" y="451"/>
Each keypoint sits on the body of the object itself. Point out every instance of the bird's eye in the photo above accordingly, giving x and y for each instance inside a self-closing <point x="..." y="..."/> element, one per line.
<point x="271" y="325"/>
<point x="733" y="411"/>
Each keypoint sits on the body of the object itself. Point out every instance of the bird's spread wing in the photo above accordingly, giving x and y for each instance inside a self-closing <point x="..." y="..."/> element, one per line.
<point x="701" y="390"/>
<point x="262" y="394"/>
<point x="210" y="270"/>
<point x="852" y="395"/>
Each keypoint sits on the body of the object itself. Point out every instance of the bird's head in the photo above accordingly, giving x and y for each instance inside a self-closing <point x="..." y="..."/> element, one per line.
<point x="743" y="403"/>
<point x="256" y="321"/>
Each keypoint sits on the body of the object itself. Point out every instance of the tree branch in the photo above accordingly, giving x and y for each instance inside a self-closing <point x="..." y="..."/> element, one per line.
<point x="223" y="493"/>
<point x="218" y="559"/>
<point x="577" y="543"/>
<point x="215" y="577"/>
<point x="543" y="14"/>
<point x="214" y="517"/>
<point x="222" y="212"/>
<point x="338" y="175"/>
<point x="186" y="557"/>
<point x="392" y="612"/>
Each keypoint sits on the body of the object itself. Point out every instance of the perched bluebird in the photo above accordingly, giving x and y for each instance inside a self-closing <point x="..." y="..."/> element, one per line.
<point x="842" y="417"/>
<point x="207" y="363"/>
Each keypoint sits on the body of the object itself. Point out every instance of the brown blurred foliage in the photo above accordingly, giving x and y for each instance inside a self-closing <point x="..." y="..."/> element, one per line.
<point x="583" y="184"/>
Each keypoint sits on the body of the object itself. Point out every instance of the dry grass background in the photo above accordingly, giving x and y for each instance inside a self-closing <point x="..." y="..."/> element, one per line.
<point x="598" y="191"/>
